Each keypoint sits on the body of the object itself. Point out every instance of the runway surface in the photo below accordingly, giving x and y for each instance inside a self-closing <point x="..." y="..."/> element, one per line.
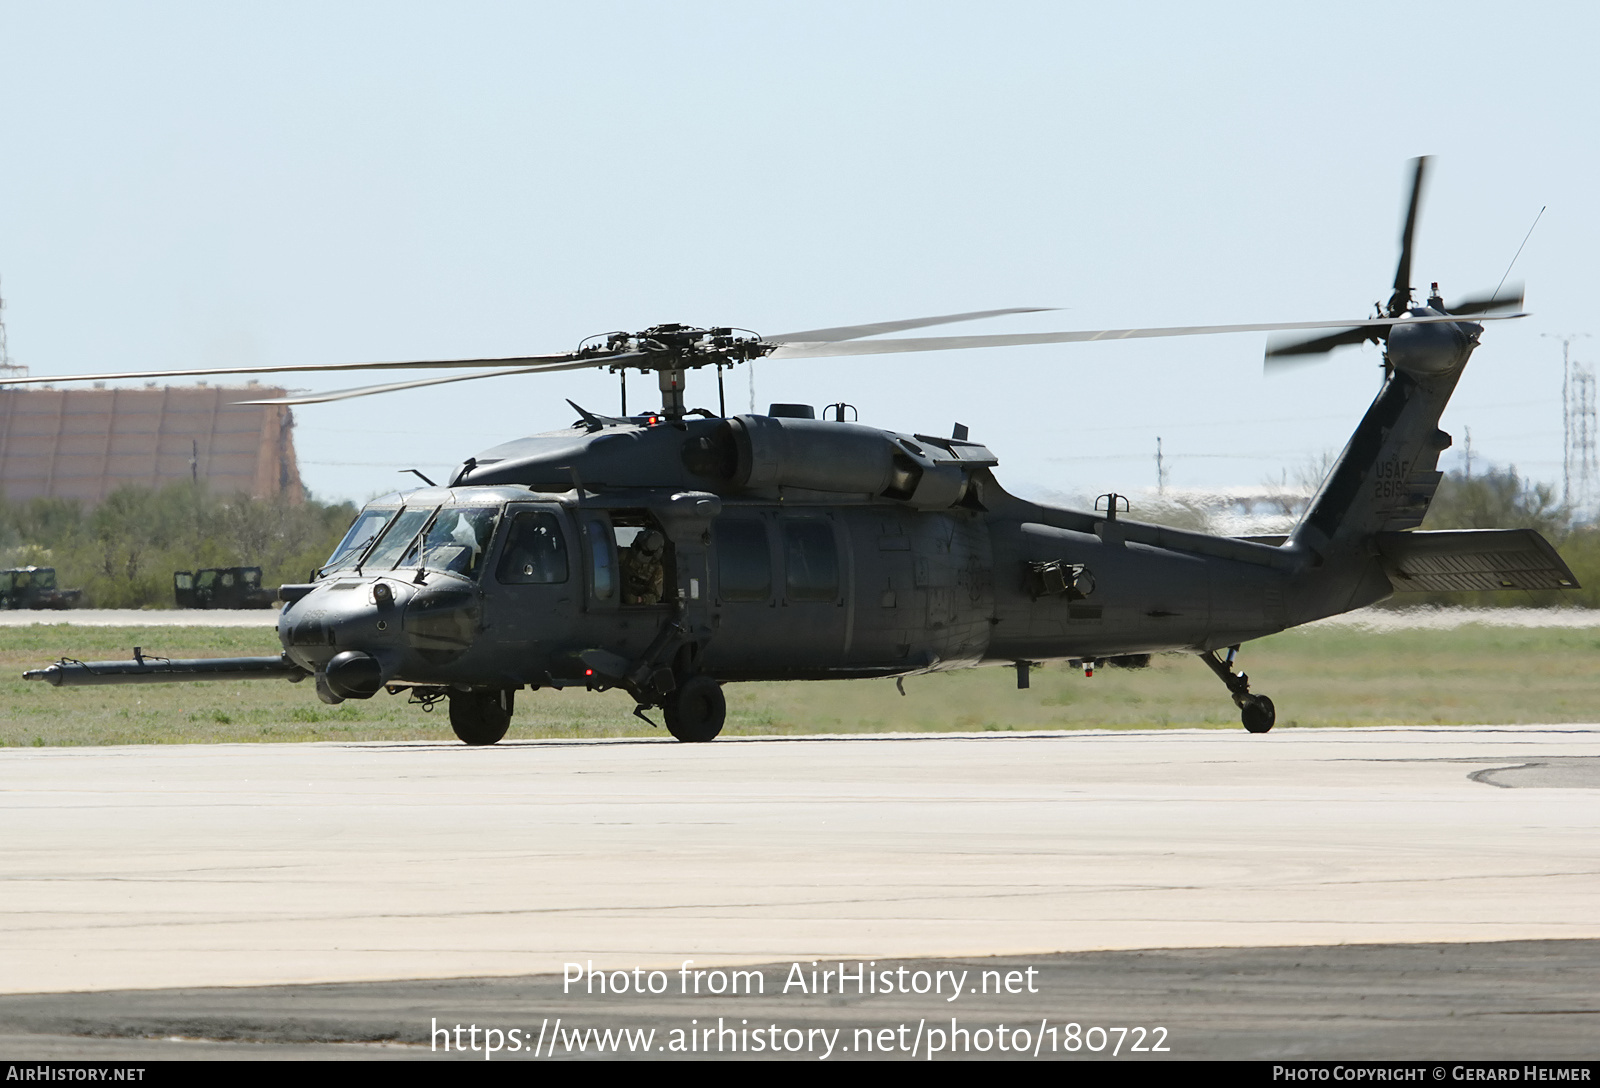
<point x="227" y="865"/>
<point x="183" y="867"/>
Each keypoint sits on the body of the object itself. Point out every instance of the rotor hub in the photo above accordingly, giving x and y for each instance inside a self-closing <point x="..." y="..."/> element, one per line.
<point x="671" y="351"/>
<point x="676" y="347"/>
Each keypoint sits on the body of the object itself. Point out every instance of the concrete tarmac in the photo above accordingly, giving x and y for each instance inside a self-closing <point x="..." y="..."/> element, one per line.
<point x="179" y="868"/>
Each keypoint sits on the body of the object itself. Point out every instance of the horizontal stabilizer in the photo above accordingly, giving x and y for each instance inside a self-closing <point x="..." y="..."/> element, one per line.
<point x="1472" y="559"/>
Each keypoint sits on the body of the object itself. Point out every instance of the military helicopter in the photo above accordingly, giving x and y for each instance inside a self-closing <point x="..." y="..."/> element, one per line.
<point x="671" y="552"/>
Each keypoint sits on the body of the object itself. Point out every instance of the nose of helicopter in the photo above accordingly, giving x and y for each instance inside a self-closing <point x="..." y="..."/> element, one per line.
<point x="356" y="633"/>
<point x="343" y="617"/>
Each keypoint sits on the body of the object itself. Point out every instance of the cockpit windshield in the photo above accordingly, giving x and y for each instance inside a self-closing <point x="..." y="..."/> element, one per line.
<point x="456" y="541"/>
<point x="397" y="538"/>
<point x="368" y="524"/>
<point x="450" y="538"/>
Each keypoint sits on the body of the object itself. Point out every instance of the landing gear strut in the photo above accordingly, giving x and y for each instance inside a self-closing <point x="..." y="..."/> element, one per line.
<point x="481" y="717"/>
<point x="1256" y="711"/>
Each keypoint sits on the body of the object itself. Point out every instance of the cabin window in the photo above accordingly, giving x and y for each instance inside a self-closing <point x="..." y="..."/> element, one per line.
<point x="744" y="563"/>
<point x="534" y="553"/>
<point x="811" y="563"/>
<point x="604" y="577"/>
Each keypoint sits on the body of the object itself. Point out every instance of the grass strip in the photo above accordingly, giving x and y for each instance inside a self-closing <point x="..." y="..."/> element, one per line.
<point x="1317" y="677"/>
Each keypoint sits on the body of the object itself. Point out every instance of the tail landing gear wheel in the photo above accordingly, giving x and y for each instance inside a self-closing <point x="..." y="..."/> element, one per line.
<point x="1258" y="713"/>
<point x="696" y="710"/>
<point x="481" y="717"/>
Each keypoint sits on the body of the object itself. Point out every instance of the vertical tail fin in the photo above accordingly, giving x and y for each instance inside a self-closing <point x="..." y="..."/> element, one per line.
<point x="1383" y="481"/>
<point x="1388" y="472"/>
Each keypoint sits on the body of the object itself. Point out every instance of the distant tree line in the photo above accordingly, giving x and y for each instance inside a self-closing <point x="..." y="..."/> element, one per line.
<point x="123" y="552"/>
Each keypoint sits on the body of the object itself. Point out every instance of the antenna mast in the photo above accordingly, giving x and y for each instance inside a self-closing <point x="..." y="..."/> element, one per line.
<point x="1578" y="465"/>
<point x="1582" y="469"/>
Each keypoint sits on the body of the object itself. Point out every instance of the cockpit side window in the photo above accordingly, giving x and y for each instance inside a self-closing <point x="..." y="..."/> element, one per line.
<point x="534" y="551"/>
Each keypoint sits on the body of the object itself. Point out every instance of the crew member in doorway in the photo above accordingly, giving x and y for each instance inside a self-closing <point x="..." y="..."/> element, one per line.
<point x="643" y="568"/>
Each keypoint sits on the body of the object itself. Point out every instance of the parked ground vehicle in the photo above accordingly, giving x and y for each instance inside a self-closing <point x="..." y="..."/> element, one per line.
<point x="221" y="587"/>
<point x="35" y="587"/>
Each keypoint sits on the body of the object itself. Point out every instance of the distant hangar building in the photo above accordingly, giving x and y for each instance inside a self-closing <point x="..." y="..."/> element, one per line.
<point x="85" y="443"/>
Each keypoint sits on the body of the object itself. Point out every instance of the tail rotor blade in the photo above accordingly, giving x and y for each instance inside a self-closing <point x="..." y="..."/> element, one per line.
<point x="1402" y="274"/>
<point x="1508" y="297"/>
<point x="1282" y="348"/>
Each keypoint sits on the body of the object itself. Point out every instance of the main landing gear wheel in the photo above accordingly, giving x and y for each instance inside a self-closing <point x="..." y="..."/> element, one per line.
<point x="481" y="717"/>
<point x="696" y="710"/>
<point x="1257" y="713"/>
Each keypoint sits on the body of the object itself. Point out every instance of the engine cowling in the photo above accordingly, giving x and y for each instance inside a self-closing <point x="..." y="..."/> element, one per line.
<point x="765" y="452"/>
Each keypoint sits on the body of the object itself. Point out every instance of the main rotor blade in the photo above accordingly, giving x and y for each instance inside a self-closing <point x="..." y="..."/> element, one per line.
<point x="952" y="343"/>
<point x="1508" y="298"/>
<point x="420" y="383"/>
<point x="852" y="332"/>
<point x="1402" y="273"/>
<point x="307" y="368"/>
<point x="515" y="364"/>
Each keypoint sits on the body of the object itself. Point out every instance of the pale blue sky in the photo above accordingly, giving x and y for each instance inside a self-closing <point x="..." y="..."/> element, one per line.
<point x="221" y="184"/>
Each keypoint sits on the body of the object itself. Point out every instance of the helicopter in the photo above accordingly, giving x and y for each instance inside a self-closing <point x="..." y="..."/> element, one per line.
<point x="671" y="552"/>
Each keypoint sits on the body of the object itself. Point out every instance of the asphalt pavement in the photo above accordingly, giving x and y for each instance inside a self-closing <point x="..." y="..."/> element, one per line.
<point x="1274" y="886"/>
